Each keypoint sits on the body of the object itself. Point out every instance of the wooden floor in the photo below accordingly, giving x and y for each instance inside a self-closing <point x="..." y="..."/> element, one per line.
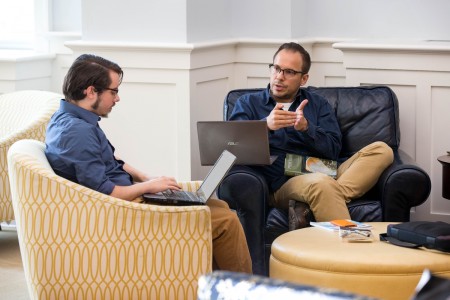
<point x="12" y="278"/>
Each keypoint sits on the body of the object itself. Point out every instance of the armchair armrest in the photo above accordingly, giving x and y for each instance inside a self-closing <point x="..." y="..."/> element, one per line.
<point x="402" y="186"/>
<point x="246" y="191"/>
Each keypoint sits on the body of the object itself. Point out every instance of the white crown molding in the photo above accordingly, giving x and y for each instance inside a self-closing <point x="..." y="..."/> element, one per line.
<point x="394" y="45"/>
<point x="409" y="55"/>
<point x="116" y="45"/>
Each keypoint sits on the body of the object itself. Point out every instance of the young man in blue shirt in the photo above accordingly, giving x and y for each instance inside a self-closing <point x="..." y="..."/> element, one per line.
<point x="304" y="123"/>
<point x="77" y="149"/>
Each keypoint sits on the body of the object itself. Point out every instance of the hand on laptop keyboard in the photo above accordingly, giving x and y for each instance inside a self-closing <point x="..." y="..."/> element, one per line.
<point x="174" y="194"/>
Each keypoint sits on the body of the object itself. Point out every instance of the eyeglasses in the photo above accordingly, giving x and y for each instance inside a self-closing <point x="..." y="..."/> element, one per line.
<point x="288" y="73"/>
<point x="114" y="92"/>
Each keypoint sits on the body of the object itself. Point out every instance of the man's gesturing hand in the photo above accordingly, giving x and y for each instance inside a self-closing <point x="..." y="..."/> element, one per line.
<point x="301" y="123"/>
<point x="280" y="118"/>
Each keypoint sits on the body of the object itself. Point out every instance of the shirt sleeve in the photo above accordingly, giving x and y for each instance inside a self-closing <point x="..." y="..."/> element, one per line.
<point x="84" y="152"/>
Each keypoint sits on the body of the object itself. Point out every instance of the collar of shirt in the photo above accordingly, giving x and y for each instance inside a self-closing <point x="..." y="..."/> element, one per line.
<point x="80" y="112"/>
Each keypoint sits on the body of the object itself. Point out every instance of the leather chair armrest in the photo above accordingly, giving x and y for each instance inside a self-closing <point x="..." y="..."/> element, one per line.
<point x="243" y="188"/>
<point x="246" y="191"/>
<point x="402" y="186"/>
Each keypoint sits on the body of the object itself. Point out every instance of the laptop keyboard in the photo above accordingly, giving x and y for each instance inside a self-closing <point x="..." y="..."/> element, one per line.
<point x="179" y="195"/>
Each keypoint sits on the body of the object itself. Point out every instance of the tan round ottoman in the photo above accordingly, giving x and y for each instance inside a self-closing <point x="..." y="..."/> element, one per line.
<point x="315" y="256"/>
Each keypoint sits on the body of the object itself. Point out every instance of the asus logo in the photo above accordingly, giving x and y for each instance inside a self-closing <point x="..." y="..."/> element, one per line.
<point x="233" y="143"/>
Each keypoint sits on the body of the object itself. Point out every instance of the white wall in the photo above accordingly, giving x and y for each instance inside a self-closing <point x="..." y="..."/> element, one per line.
<point x="134" y="21"/>
<point x="300" y="16"/>
<point x="208" y="20"/>
<point x="375" y="19"/>
<point x="262" y="19"/>
<point x="183" y="21"/>
<point x="66" y="15"/>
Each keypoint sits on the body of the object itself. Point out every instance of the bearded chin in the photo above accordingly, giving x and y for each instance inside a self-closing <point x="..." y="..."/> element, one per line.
<point x="280" y="97"/>
<point x="95" y="106"/>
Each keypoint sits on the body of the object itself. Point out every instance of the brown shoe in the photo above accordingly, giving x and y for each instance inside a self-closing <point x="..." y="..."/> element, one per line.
<point x="299" y="215"/>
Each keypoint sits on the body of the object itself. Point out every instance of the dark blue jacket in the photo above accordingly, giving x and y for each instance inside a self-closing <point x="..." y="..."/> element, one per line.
<point x="322" y="139"/>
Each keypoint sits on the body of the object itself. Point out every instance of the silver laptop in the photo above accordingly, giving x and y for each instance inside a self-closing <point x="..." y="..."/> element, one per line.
<point x="247" y="140"/>
<point x="204" y="192"/>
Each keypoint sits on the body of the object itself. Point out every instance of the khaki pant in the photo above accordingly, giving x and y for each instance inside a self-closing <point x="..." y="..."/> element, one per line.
<point x="326" y="196"/>
<point x="230" y="250"/>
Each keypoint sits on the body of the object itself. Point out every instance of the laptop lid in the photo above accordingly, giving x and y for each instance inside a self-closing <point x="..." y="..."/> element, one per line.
<point x="216" y="174"/>
<point x="247" y="140"/>
<point x="208" y="186"/>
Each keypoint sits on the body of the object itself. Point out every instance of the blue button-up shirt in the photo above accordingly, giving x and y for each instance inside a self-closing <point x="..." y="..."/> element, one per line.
<point x="77" y="149"/>
<point x="322" y="139"/>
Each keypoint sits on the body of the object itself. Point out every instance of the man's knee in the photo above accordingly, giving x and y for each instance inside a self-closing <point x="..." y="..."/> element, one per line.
<point x="382" y="150"/>
<point x="227" y="218"/>
<point x="318" y="181"/>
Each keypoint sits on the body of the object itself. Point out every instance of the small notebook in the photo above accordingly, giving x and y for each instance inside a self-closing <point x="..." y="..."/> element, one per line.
<point x="298" y="165"/>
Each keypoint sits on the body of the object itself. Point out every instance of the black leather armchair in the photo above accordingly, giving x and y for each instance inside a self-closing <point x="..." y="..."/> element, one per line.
<point x="365" y="114"/>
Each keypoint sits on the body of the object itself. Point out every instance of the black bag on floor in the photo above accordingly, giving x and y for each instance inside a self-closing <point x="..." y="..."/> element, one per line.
<point x="431" y="235"/>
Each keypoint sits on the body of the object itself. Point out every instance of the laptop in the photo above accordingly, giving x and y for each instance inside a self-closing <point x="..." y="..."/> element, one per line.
<point x="247" y="140"/>
<point x="204" y="192"/>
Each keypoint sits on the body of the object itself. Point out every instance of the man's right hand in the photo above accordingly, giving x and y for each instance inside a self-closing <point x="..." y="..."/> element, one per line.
<point x="155" y="185"/>
<point x="279" y="118"/>
<point x="162" y="183"/>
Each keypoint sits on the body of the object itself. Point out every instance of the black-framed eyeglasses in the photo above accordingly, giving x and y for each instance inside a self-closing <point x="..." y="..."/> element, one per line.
<point x="114" y="91"/>
<point x="288" y="73"/>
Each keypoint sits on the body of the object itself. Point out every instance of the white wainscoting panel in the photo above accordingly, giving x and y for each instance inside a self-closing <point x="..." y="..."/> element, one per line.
<point x="25" y="70"/>
<point x="440" y="144"/>
<point x="209" y="87"/>
<point x="327" y="67"/>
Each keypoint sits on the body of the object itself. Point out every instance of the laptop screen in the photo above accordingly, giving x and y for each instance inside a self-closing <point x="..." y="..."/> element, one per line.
<point x="247" y="140"/>
<point x="216" y="174"/>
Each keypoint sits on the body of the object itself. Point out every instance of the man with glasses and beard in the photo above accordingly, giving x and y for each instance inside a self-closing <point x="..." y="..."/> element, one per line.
<point x="303" y="123"/>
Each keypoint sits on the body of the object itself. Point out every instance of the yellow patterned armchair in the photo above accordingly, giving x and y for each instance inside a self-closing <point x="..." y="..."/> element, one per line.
<point x="77" y="243"/>
<point x="23" y="115"/>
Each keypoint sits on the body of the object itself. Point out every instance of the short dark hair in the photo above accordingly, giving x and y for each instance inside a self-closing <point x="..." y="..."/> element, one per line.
<point x="88" y="70"/>
<point x="297" y="48"/>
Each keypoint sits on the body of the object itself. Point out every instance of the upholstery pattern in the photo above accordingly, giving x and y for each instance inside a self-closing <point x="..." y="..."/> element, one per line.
<point x="77" y="243"/>
<point x="23" y="115"/>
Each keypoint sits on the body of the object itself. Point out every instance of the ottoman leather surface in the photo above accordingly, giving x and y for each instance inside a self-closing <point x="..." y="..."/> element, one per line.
<point x="318" y="257"/>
